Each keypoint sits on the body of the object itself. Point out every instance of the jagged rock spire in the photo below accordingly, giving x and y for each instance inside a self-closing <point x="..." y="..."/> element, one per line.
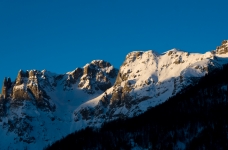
<point x="21" y="74"/>
<point x="6" y="86"/>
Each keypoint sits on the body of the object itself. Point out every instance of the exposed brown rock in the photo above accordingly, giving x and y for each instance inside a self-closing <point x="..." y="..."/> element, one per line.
<point x="101" y="63"/>
<point x="77" y="73"/>
<point x="205" y="68"/>
<point x="170" y="53"/>
<point x="36" y="92"/>
<point x="30" y="88"/>
<point x="127" y="87"/>
<point x="96" y="76"/>
<point x="73" y="77"/>
<point x="196" y="67"/>
<point x="20" y="94"/>
<point x="31" y="73"/>
<point x="121" y="77"/>
<point x="116" y="95"/>
<point x="223" y="49"/>
<point x="137" y="54"/>
<point x="120" y="95"/>
<point x="177" y="61"/>
<point x="20" y="76"/>
<point x="224" y="42"/>
<point x="6" y="86"/>
<point x="86" y="70"/>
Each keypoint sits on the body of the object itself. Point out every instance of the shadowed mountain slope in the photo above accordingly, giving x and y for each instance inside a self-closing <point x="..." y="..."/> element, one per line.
<point x="195" y="118"/>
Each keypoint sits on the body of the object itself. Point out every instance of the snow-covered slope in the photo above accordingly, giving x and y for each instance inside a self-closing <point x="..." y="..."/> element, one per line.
<point x="41" y="107"/>
<point x="147" y="79"/>
<point x="37" y="108"/>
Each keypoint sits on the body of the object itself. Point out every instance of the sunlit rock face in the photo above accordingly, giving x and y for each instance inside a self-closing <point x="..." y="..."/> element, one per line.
<point x="223" y="49"/>
<point x="145" y="80"/>
<point x="36" y="108"/>
<point x="97" y="75"/>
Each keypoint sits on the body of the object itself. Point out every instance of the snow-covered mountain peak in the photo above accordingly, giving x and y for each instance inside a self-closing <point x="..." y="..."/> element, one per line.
<point x="145" y="80"/>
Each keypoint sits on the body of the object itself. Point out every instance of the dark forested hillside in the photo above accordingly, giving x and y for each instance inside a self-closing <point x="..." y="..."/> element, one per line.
<point x="196" y="118"/>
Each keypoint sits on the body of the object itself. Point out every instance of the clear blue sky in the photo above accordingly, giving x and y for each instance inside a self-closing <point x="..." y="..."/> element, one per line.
<point x="62" y="35"/>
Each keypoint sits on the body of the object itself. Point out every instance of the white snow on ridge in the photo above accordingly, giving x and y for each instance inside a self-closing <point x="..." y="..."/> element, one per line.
<point x="152" y="79"/>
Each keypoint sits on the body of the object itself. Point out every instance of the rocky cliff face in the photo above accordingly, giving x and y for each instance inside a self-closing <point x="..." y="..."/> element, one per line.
<point x="96" y="76"/>
<point x="147" y="79"/>
<point x="37" y="107"/>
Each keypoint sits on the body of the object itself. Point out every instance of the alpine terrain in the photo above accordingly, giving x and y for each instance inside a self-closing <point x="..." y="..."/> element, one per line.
<point x="41" y="107"/>
<point x="193" y="119"/>
<point x="37" y="108"/>
<point x="147" y="79"/>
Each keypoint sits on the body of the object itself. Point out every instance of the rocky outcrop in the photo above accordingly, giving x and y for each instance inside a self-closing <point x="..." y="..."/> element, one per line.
<point x="73" y="77"/>
<point x="223" y="49"/>
<point x="27" y="86"/>
<point x="97" y="75"/>
<point x="20" y="77"/>
<point x="36" y="108"/>
<point x="6" y="86"/>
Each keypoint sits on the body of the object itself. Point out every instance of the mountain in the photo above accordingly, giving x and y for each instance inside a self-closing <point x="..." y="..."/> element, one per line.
<point x="41" y="107"/>
<point x="193" y="119"/>
<point x="36" y="109"/>
<point x="147" y="79"/>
